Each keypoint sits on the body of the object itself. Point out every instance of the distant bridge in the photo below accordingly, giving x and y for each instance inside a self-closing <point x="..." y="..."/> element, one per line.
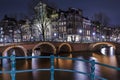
<point x="29" y="48"/>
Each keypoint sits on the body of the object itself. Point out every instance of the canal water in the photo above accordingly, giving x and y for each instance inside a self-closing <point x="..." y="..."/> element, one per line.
<point x="110" y="74"/>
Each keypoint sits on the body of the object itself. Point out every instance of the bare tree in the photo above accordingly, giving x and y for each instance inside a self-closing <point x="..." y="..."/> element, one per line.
<point x="116" y="33"/>
<point x="42" y="19"/>
<point x="102" y="18"/>
<point x="26" y="31"/>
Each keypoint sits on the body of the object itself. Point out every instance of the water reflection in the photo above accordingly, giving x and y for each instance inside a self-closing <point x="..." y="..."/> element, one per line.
<point x="81" y="66"/>
<point x="97" y="68"/>
<point x="6" y="67"/>
<point x="110" y="60"/>
<point x="62" y="63"/>
<point x="35" y="66"/>
<point x="108" y="51"/>
<point x="104" y="71"/>
<point x="66" y="64"/>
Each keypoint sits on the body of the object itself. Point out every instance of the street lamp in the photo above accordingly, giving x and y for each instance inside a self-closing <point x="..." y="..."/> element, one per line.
<point x="80" y="31"/>
<point x="93" y="36"/>
<point x="93" y="33"/>
<point x="103" y="37"/>
<point x="55" y="34"/>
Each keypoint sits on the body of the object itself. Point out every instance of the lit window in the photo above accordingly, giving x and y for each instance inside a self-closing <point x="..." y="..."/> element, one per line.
<point x="88" y="32"/>
<point x="59" y="23"/>
<point x="1" y="40"/>
<point x="64" y="23"/>
<point x="10" y="30"/>
<point x="64" y="28"/>
<point x="60" y="28"/>
<point x="1" y="28"/>
<point x="2" y="32"/>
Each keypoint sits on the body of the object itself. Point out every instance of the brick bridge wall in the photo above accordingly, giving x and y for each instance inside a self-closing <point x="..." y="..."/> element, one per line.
<point x="80" y="46"/>
<point x="74" y="46"/>
<point x="29" y="46"/>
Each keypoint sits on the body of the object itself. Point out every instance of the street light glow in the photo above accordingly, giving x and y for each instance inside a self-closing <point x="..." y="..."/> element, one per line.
<point x="55" y="34"/>
<point x="80" y="31"/>
<point x="93" y="33"/>
<point x="103" y="36"/>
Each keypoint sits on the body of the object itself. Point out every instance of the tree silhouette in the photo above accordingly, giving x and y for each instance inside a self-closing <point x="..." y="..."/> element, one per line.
<point x="102" y="18"/>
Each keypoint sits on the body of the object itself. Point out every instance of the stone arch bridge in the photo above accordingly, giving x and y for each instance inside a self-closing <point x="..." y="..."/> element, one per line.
<point x="27" y="48"/>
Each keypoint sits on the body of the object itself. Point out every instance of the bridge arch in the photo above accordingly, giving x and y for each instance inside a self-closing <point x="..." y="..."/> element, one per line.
<point x="65" y="44"/>
<point x="92" y="46"/>
<point x="20" y="47"/>
<point x="47" y="43"/>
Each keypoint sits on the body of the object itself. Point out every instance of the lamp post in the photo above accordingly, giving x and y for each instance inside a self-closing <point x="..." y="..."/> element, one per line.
<point x="103" y="37"/>
<point x="55" y="34"/>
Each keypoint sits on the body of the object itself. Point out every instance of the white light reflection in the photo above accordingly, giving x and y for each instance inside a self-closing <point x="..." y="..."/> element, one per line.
<point x="61" y="63"/>
<point x="35" y="64"/>
<point x="93" y="58"/>
<point x="108" y="51"/>
<point x="80" y="66"/>
<point x="103" y="51"/>
<point x="36" y="53"/>
<point x="109" y="60"/>
<point x="97" y="67"/>
<point x="6" y="67"/>
<point x="6" y="76"/>
<point x="5" y="62"/>
<point x="112" y="51"/>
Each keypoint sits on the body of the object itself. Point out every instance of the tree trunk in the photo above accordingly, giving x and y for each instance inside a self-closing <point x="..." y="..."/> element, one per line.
<point x="43" y="34"/>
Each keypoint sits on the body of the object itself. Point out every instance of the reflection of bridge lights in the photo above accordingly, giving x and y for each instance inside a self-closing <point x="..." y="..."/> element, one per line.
<point x="103" y="51"/>
<point x="111" y="51"/>
<point x="80" y="66"/>
<point x="93" y="58"/>
<point x="107" y="51"/>
<point x="35" y="66"/>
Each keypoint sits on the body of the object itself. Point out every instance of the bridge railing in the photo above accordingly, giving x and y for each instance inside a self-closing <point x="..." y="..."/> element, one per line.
<point x="52" y="69"/>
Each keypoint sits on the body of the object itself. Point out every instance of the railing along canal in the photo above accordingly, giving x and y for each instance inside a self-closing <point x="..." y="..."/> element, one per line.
<point x="91" y="74"/>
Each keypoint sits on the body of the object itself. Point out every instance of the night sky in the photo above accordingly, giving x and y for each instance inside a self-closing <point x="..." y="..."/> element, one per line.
<point x="89" y="7"/>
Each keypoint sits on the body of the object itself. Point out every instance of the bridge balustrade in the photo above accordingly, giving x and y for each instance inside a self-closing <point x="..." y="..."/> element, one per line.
<point x="52" y="69"/>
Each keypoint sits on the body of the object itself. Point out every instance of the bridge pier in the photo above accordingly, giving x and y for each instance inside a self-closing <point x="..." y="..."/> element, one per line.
<point x="29" y="52"/>
<point x="1" y="59"/>
<point x="0" y="62"/>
